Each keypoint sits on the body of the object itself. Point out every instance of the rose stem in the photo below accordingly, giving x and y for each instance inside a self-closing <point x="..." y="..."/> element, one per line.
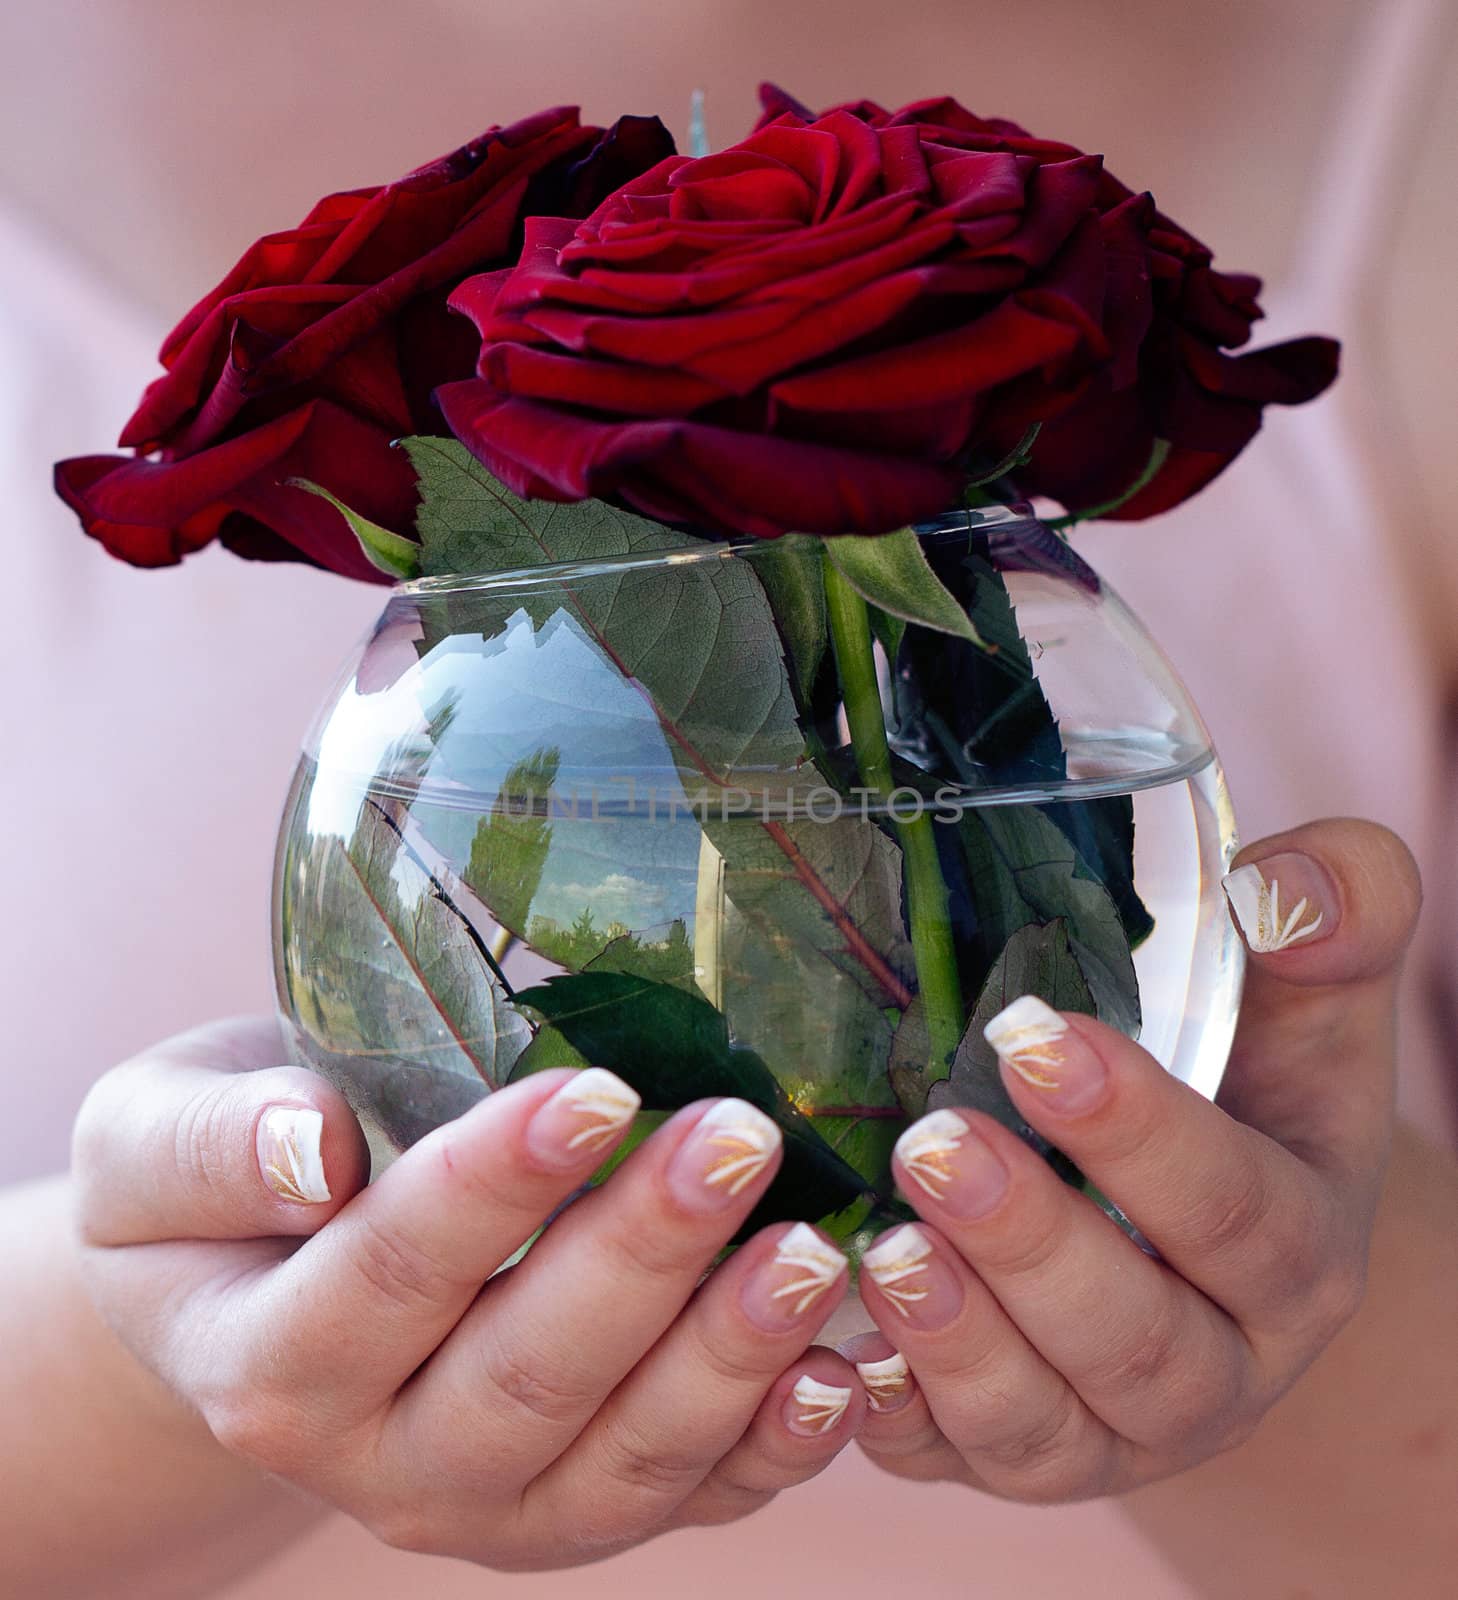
<point x="932" y="945"/>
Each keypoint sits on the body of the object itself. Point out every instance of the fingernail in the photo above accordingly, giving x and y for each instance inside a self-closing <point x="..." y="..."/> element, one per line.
<point x="1032" y="1040"/>
<point x="583" y="1118"/>
<point x="730" y="1146"/>
<point x="289" y="1154"/>
<point x="803" y="1269"/>
<point x="889" y="1384"/>
<point x="1284" y="900"/>
<point x="905" y="1268"/>
<point x="952" y="1164"/>
<point x="815" y="1407"/>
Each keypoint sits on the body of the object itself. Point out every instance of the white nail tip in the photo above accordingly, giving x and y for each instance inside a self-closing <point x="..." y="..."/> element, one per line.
<point x="1025" y="1036"/>
<point x="747" y="1139"/>
<point x="884" y="1380"/>
<point x="896" y="1260"/>
<point x="821" y="1405"/>
<point x="606" y="1103"/>
<point x="1257" y="908"/>
<point x="290" y="1155"/>
<point x="818" y="1264"/>
<point x="926" y="1149"/>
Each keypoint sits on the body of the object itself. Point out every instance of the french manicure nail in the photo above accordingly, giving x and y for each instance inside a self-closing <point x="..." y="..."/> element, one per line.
<point x="1032" y="1040"/>
<point x="952" y="1164"/>
<point x="904" y="1267"/>
<point x="815" y="1407"/>
<point x="888" y="1383"/>
<point x="290" y="1156"/>
<point x="803" y="1268"/>
<point x="1284" y="900"/>
<point x="583" y="1118"/>
<point x="730" y="1146"/>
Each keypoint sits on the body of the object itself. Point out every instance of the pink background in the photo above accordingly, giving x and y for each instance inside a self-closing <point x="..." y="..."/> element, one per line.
<point x="148" y="722"/>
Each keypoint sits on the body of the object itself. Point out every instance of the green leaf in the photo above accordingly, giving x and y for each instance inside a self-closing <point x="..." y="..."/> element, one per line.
<point x="889" y="631"/>
<point x="407" y="1008"/>
<point x="674" y="1047"/>
<point x="470" y="522"/>
<point x="854" y="867"/>
<point x="1023" y="869"/>
<point x="818" y="1031"/>
<point x="910" y="1068"/>
<point x="1102" y="832"/>
<point x="790" y="571"/>
<point x="698" y="637"/>
<point x="1039" y="960"/>
<point x="548" y="1049"/>
<point x="979" y="714"/>
<point x="390" y="552"/>
<point x="892" y="572"/>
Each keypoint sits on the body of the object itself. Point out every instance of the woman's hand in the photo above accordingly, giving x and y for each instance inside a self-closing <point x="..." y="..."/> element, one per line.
<point x="1053" y="1359"/>
<point x="347" y="1338"/>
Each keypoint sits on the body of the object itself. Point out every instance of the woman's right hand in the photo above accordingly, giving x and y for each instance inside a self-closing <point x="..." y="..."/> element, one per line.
<point x="347" y="1337"/>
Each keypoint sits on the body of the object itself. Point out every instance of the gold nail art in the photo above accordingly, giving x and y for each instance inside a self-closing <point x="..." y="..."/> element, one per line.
<point x="289" y="1155"/>
<point x="1257" y="908"/>
<point x="1025" y="1035"/>
<point x="884" y="1380"/>
<point x="927" y="1147"/>
<point x="894" y="1262"/>
<point x="605" y="1102"/>
<point x="817" y="1263"/>
<point x="747" y="1138"/>
<point x="822" y="1403"/>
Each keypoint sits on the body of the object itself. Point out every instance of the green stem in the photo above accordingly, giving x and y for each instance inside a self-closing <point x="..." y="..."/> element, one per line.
<point x="928" y="909"/>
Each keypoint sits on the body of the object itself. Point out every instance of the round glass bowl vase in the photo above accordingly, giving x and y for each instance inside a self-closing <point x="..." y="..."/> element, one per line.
<point x="705" y="816"/>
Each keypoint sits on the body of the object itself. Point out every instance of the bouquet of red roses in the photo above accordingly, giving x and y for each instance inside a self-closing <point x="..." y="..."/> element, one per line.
<point x="741" y="430"/>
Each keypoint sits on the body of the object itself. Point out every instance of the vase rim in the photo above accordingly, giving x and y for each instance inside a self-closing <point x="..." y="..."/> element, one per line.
<point x="1004" y="518"/>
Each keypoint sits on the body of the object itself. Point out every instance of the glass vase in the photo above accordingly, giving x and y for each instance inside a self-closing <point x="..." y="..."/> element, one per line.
<point x="669" y="813"/>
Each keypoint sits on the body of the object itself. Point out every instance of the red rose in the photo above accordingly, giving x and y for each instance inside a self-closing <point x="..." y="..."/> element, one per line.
<point x="817" y="329"/>
<point x="324" y="343"/>
<point x="1185" y="389"/>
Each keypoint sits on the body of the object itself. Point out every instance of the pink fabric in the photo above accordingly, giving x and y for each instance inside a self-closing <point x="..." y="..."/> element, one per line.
<point x="149" y="724"/>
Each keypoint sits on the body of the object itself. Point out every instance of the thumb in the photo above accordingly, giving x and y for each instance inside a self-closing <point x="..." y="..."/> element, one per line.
<point x="1327" y="911"/>
<point x="204" y="1138"/>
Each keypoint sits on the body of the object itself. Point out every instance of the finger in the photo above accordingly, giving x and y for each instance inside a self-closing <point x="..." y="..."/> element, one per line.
<point x="1008" y="1413"/>
<point x="689" y="1401"/>
<point x="1327" y="911"/>
<point x="898" y="1431"/>
<point x="1227" y="1208"/>
<point x="808" y="1417"/>
<point x="884" y="1374"/>
<point x="399" y="1265"/>
<point x="546" y="1345"/>
<point x="167" y="1147"/>
<point x="1157" y="1362"/>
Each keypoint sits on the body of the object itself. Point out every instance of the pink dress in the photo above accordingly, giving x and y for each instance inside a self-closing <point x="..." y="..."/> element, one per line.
<point x="150" y="719"/>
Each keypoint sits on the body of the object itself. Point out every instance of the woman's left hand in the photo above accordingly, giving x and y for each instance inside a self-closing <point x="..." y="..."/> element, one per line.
<point x="1051" y="1358"/>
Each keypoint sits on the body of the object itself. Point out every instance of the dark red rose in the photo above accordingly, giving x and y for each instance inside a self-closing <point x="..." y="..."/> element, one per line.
<point x="818" y="329"/>
<point x="1185" y="388"/>
<point x="324" y="343"/>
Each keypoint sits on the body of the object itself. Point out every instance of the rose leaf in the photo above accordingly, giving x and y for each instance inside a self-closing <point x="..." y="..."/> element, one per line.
<point x="673" y="1047"/>
<point x="892" y="572"/>
<point x="1039" y="960"/>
